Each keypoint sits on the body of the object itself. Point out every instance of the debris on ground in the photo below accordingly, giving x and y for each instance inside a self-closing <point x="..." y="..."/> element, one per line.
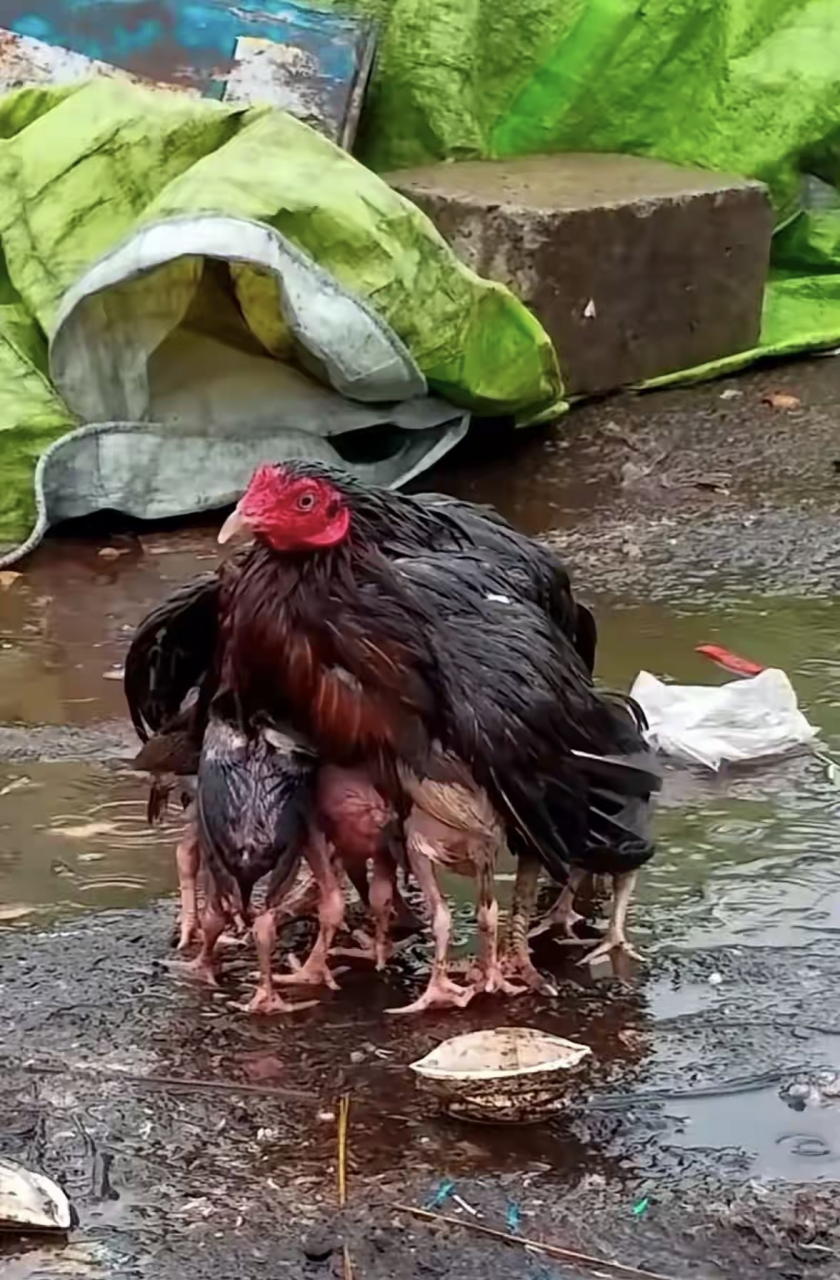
<point x="781" y="400"/>
<point x="755" y="718"/>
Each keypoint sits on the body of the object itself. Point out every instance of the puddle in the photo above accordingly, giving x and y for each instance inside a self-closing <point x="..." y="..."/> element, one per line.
<point x="65" y="622"/>
<point x="74" y="837"/>
<point x="800" y="1148"/>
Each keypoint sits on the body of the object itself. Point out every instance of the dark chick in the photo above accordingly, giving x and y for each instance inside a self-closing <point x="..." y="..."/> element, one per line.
<point x="254" y="808"/>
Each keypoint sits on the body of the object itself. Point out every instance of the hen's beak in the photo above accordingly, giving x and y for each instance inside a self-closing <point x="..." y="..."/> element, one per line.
<point x="236" y="525"/>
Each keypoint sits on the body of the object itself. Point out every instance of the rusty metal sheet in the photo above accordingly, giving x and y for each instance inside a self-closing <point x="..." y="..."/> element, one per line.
<point x="24" y="61"/>
<point x="317" y="68"/>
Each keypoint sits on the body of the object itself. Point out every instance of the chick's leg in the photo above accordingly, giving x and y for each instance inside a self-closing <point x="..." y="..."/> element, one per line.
<point x="316" y="970"/>
<point x="212" y="925"/>
<point x="615" y="938"/>
<point x="517" y="962"/>
<point x="187" y="859"/>
<point x="442" y="992"/>
<point x="381" y="898"/>
<point x="383" y="887"/>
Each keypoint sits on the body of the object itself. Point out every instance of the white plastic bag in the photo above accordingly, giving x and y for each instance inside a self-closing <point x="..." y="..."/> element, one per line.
<point x="730" y="723"/>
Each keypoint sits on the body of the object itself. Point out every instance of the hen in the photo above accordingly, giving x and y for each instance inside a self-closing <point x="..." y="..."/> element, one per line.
<point x="413" y="662"/>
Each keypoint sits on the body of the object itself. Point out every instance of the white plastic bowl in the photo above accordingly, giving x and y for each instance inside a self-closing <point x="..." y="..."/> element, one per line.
<point x="31" y="1202"/>
<point x="508" y="1075"/>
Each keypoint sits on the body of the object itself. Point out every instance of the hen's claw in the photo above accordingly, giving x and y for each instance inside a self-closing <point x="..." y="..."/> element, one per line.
<point x="367" y="950"/>
<point x="189" y="934"/>
<point x="565" y="924"/>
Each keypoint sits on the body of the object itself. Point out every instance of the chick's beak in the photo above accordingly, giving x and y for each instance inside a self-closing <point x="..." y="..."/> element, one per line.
<point x="237" y="525"/>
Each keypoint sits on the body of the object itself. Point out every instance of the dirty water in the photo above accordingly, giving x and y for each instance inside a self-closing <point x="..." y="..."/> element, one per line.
<point x="198" y="1141"/>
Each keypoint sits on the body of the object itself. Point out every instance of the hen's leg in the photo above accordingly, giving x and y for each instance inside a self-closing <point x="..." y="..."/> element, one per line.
<point x="442" y="992"/>
<point x="187" y="859"/>
<point x="301" y="902"/>
<point x="316" y="971"/>
<point x="615" y="939"/>
<point x="491" y="976"/>
<point x="562" y="914"/>
<point x="517" y="962"/>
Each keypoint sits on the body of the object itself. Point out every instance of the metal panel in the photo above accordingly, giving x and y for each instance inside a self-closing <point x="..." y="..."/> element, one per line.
<point x="314" y="64"/>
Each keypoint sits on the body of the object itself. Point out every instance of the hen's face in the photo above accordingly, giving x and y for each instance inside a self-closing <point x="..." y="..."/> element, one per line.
<point x="290" y="512"/>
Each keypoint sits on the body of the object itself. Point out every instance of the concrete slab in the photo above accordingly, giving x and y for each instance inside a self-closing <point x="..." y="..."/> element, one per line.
<point x="636" y="268"/>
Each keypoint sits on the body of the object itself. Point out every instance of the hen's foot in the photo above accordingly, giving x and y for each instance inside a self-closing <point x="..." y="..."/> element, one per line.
<point x="231" y="940"/>
<point x="314" y="973"/>
<point x="201" y="969"/>
<point x="266" y="1000"/>
<point x="378" y="953"/>
<point x="188" y="933"/>
<point x="562" y="922"/>
<point x="613" y="943"/>
<point x="522" y="969"/>
<point x="491" y="980"/>
<point x="441" y="993"/>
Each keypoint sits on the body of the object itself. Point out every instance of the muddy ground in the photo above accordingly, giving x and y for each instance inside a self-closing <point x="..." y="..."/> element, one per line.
<point x="703" y="1139"/>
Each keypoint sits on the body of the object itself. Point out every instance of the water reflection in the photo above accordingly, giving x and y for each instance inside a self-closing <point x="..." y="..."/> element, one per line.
<point x="74" y="837"/>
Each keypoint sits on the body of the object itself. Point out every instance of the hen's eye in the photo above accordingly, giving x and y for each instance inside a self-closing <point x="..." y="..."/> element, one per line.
<point x="306" y="502"/>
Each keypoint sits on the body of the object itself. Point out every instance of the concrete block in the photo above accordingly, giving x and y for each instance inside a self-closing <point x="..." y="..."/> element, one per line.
<point x="636" y="268"/>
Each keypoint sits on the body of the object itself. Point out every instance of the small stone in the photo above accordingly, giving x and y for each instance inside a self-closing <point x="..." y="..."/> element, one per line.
<point x="715" y="979"/>
<point x="356" y="1057"/>
<point x="318" y="1246"/>
<point x="380" y="1240"/>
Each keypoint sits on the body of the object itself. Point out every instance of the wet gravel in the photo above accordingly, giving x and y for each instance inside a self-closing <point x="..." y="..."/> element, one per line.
<point x="195" y="1140"/>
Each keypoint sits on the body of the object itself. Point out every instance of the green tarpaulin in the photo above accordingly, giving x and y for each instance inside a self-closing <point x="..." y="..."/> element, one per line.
<point x="749" y="87"/>
<point x="337" y="297"/>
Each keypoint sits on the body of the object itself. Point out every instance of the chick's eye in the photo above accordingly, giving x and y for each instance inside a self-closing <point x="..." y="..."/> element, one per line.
<point x="306" y="502"/>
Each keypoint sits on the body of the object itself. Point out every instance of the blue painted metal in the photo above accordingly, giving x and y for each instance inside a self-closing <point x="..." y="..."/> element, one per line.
<point x="193" y="44"/>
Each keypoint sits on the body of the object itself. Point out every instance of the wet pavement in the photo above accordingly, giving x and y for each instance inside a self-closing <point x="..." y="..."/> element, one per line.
<point x="703" y="1139"/>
